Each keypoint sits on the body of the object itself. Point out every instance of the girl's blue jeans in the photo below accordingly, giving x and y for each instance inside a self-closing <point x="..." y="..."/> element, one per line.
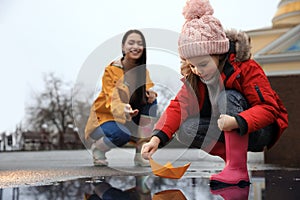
<point x="195" y="131"/>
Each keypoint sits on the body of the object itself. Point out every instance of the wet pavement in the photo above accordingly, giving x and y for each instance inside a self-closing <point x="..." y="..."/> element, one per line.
<point x="71" y="175"/>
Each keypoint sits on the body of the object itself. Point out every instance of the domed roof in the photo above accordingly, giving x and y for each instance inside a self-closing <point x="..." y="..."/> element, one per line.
<point x="288" y="13"/>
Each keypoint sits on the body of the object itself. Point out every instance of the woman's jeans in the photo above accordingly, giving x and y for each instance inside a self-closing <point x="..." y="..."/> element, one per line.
<point x="117" y="134"/>
<point x="197" y="132"/>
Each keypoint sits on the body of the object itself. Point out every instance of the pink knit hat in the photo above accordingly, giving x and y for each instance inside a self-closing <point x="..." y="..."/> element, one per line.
<point x="202" y="34"/>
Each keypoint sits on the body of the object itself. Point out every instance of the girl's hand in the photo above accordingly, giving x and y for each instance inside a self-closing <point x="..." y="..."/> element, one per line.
<point x="227" y="123"/>
<point x="129" y="112"/>
<point x="151" y="95"/>
<point x="149" y="148"/>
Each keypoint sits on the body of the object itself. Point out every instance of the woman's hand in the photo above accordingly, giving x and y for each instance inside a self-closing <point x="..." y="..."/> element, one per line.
<point x="151" y="95"/>
<point x="149" y="148"/>
<point x="129" y="113"/>
<point x="227" y="123"/>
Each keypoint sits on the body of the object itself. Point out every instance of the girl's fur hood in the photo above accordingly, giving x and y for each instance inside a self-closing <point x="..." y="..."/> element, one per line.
<point x="242" y="44"/>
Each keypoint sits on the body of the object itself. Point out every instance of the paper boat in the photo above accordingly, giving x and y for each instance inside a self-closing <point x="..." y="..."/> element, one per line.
<point x="169" y="194"/>
<point x="168" y="170"/>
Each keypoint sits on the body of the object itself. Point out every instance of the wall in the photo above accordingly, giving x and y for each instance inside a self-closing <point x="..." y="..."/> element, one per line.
<point x="286" y="151"/>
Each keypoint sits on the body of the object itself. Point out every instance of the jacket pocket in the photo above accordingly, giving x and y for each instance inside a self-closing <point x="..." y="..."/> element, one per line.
<point x="261" y="97"/>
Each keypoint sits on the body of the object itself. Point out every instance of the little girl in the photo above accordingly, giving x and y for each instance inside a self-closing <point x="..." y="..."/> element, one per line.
<point x="226" y="105"/>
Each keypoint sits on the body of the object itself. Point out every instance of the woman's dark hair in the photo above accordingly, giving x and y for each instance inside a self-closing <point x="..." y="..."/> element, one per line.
<point x="138" y="98"/>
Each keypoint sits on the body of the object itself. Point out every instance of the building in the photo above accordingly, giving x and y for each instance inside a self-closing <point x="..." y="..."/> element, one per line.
<point x="277" y="49"/>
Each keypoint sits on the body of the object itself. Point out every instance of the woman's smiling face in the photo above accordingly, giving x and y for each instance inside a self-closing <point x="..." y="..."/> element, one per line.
<point x="133" y="46"/>
<point x="205" y="67"/>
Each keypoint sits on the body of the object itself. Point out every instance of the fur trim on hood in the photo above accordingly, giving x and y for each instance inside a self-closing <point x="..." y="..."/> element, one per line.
<point x="242" y="44"/>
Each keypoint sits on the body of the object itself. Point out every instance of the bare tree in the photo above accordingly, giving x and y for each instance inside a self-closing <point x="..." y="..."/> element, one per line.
<point x="82" y="101"/>
<point x="52" y="108"/>
<point x="60" y="107"/>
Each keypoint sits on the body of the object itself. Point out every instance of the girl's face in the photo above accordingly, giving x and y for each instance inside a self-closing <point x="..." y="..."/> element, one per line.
<point x="205" y="67"/>
<point x="133" y="46"/>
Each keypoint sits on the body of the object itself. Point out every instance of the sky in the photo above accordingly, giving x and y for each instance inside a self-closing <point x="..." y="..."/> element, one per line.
<point x="42" y="36"/>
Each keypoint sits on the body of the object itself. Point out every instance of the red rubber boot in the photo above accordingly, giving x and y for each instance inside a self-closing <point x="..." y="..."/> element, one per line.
<point x="233" y="193"/>
<point x="235" y="170"/>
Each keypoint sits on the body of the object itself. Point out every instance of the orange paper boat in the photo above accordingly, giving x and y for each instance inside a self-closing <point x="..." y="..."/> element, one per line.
<point x="169" y="194"/>
<point x="167" y="170"/>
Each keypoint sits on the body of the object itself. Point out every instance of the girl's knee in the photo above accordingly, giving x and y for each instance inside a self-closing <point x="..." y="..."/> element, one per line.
<point x="231" y="102"/>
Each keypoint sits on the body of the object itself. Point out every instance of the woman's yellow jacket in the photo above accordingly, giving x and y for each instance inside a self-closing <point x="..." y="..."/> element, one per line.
<point x="110" y="103"/>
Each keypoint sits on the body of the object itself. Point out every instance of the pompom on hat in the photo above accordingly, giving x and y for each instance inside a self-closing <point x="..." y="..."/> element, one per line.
<point x="202" y="33"/>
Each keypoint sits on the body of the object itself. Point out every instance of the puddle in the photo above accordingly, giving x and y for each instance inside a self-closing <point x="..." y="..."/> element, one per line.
<point x="266" y="184"/>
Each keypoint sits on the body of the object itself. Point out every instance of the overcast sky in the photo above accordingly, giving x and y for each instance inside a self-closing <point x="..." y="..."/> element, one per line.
<point x="41" y="36"/>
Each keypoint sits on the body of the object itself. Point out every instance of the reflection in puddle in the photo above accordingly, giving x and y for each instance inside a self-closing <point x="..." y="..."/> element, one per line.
<point x="265" y="185"/>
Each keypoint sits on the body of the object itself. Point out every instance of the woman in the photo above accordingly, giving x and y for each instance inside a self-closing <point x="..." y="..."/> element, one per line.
<point x="126" y="95"/>
<point x="227" y="105"/>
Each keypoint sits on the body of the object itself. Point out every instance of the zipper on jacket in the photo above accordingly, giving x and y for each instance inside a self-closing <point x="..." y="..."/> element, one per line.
<point x="259" y="93"/>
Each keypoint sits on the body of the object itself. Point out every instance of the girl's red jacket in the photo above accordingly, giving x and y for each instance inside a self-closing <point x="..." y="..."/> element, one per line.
<point x="246" y="77"/>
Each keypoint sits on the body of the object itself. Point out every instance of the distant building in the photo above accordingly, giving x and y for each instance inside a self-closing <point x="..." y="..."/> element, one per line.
<point x="33" y="141"/>
<point x="277" y="49"/>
